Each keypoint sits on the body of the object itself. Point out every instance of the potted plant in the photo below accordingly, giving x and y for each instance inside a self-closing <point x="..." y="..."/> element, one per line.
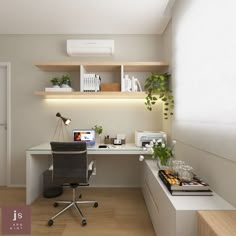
<point x="55" y="82"/>
<point x="65" y="81"/>
<point x="98" y="130"/>
<point x="161" y="152"/>
<point x="157" y="88"/>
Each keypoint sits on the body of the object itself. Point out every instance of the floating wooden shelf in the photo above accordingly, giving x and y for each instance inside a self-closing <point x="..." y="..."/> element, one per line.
<point x="103" y="66"/>
<point x="118" y="69"/>
<point x="93" y="95"/>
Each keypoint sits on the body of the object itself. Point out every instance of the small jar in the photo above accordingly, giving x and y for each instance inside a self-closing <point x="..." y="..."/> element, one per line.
<point x="176" y="165"/>
<point x="186" y="173"/>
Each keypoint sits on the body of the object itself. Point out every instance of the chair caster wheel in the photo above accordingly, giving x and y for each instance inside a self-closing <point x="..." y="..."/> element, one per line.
<point x="55" y="204"/>
<point x="95" y="205"/>
<point x="50" y="222"/>
<point x="84" y="222"/>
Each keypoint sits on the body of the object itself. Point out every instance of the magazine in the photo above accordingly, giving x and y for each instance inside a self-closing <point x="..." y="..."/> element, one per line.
<point x="172" y="182"/>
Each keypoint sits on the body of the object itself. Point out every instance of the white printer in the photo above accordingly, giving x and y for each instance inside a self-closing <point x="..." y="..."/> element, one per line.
<point x="144" y="137"/>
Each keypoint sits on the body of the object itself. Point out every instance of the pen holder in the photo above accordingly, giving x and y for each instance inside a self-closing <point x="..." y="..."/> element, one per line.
<point x="107" y="141"/>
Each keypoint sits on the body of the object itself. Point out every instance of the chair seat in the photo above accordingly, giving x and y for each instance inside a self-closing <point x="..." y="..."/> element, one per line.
<point x="53" y="192"/>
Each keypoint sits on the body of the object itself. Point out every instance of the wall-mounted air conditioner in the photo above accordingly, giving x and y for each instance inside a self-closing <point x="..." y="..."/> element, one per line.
<point x="81" y="47"/>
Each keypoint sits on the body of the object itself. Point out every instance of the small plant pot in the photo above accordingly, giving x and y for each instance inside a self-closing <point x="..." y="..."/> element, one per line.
<point x="65" y="86"/>
<point x="55" y="86"/>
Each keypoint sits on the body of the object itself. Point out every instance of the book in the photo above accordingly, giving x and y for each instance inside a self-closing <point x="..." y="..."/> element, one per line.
<point x="172" y="182"/>
<point x="91" y="83"/>
<point x="192" y="193"/>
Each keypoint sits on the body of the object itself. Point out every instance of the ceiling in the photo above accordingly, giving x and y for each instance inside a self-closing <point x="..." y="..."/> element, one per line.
<point x="84" y="16"/>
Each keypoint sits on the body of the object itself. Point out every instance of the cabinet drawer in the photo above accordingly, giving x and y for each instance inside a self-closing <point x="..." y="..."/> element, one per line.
<point x="166" y="212"/>
<point x="152" y="208"/>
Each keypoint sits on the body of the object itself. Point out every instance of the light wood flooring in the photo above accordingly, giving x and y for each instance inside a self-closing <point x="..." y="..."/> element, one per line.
<point x="121" y="212"/>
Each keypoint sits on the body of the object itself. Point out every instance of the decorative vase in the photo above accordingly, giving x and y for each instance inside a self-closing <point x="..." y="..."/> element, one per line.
<point x="164" y="166"/>
<point x="98" y="138"/>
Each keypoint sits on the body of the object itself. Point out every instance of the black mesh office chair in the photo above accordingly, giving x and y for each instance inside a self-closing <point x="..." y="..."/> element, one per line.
<point x="70" y="167"/>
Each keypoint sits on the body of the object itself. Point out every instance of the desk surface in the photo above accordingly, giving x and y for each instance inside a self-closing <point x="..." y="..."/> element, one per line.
<point x="129" y="149"/>
<point x="217" y="222"/>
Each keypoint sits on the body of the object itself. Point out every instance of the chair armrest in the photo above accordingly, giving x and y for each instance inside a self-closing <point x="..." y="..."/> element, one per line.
<point x="92" y="167"/>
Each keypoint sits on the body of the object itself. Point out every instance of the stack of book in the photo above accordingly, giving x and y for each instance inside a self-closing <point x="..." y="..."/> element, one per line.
<point x="90" y="83"/>
<point x="196" y="187"/>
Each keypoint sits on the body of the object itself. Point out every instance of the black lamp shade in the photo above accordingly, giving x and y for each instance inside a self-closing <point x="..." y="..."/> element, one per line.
<point x="66" y="121"/>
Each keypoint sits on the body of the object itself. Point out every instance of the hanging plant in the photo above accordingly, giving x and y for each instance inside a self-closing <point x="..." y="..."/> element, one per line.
<point x="157" y="88"/>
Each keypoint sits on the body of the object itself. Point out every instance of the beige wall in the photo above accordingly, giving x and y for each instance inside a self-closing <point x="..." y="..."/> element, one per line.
<point x="33" y="118"/>
<point x="203" y="68"/>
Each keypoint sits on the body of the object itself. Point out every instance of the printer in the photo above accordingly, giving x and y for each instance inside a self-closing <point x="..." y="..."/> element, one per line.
<point x="144" y="137"/>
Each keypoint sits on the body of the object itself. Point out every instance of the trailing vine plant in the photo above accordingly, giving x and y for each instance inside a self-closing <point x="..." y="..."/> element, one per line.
<point x="157" y="88"/>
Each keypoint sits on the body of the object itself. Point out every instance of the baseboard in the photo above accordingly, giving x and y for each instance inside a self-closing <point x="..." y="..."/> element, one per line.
<point x="16" y="186"/>
<point x="114" y="186"/>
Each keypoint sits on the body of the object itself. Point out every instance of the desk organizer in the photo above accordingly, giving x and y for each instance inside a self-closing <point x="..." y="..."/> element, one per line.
<point x="111" y="141"/>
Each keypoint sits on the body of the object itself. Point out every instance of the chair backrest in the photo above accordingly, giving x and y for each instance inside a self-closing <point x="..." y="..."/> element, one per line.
<point x="70" y="162"/>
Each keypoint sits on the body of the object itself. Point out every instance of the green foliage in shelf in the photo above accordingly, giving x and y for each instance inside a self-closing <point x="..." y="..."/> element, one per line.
<point x="66" y="80"/>
<point x="55" y="81"/>
<point x="157" y="88"/>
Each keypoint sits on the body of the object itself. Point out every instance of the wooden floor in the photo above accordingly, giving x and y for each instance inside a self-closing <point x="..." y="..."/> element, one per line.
<point x="121" y="211"/>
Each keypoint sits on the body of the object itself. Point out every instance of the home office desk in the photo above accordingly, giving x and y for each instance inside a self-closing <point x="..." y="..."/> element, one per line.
<point x="37" y="162"/>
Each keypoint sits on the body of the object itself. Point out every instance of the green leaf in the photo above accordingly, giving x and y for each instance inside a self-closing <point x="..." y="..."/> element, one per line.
<point x="156" y="87"/>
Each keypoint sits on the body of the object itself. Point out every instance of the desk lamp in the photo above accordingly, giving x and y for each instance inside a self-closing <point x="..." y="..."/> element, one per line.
<point x="61" y="131"/>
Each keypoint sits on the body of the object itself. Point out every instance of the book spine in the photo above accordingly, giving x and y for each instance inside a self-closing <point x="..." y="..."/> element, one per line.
<point x="165" y="181"/>
<point x="190" y="188"/>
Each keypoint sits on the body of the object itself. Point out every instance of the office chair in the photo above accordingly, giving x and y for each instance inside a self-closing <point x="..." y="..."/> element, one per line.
<point x="70" y="167"/>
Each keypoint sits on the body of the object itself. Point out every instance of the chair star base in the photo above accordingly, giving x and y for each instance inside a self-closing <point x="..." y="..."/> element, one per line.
<point x="73" y="203"/>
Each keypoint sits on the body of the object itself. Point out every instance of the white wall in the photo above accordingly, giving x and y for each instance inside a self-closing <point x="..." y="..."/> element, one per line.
<point x="204" y="72"/>
<point x="33" y="118"/>
<point x="167" y="47"/>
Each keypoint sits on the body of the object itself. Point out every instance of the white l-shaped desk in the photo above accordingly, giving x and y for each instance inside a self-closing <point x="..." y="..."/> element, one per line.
<point x="36" y="163"/>
<point x="164" y="209"/>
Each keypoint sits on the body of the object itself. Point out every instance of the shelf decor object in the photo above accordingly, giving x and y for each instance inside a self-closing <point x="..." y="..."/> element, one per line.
<point x="161" y="153"/>
<point x="62" y="84"/>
